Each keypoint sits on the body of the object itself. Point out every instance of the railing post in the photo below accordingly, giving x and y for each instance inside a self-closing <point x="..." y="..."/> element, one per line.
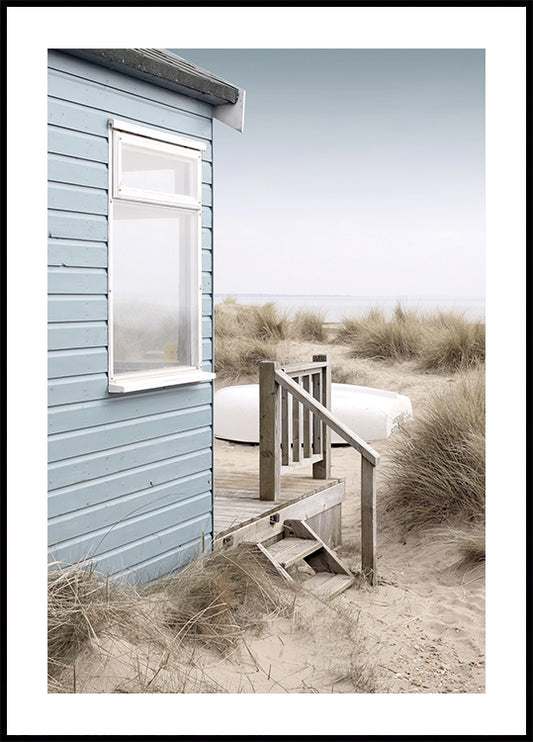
<point x="368" y="520"/>
<point x="322" y="469"/>
<point x="269" y="432"/>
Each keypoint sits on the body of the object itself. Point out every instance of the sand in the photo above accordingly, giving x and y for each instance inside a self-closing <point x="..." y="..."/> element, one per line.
<point x="421" y="630"/>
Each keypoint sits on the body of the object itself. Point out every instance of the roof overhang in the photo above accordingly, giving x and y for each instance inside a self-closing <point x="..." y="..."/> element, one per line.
<point x="166" y="69"/>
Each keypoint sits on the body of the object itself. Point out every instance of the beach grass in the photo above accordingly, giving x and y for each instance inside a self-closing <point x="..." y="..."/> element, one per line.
<point x="309" y="324"/>
<point x="452" y="343"/>
<point x="442" y="342"/>
<point x="436" y="475"/>
<point x="172" y="635"/>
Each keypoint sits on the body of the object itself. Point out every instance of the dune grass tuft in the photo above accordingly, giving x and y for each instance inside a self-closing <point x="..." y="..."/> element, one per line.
<point x="308" y="324"/>
<point x="152" y="630"/>
<point x="437" y="472"/>
<point x="443" y="342"/>
<point x="82" y="603"/>
<point x="379" y="338"/>
<point x="217" y="598"/>
<point x="245" y="336"/>
<point x="452" y="343"/>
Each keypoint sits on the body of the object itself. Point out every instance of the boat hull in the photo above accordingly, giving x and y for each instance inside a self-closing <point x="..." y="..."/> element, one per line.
<point x="373" y="414"/>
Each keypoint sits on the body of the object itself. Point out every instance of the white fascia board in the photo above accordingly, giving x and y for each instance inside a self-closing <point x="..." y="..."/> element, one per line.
<point x="232" y="114"/>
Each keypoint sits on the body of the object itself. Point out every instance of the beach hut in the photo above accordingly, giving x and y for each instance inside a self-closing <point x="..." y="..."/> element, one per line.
<point x="130" y="306"/>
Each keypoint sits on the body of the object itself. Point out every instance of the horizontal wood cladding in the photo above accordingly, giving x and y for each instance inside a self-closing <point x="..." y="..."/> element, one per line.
<point x="127" y="407"/>
<point x="161" y="529"/>
<point x="148" y="557"/>
<point x="166" y="562"/>
<point x="84" y="494"/>
<point x="80" y="361"/>
<point x="130" y="476"/>
<point x="92" y="466"/>
<point x="64" y="446"/>
<point x="70" y="525"/>
<point x="73" y="116"/>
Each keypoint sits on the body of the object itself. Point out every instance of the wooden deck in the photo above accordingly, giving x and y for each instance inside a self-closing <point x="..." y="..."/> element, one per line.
<point x="241" y="516"/>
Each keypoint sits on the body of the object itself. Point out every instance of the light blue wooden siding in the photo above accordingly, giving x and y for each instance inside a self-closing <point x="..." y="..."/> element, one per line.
<point x="130" y="476"/>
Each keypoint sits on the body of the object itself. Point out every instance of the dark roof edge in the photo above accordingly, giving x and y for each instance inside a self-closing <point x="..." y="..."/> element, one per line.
<point x="166" y="69"/>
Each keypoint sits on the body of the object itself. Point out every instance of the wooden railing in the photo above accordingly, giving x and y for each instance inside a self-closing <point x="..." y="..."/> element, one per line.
<point x="295" y="430"/>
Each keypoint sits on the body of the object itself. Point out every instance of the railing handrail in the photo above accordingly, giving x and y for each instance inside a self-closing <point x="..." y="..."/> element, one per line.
<point x="304" y="368"/>
<point x="274" y="439"/>
<point x="327" y="417"/>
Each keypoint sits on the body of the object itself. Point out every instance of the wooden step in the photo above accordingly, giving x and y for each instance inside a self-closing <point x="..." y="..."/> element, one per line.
<point x="288" y="551"/>
<point x="323" y="559"/>
<point x="326" y="585"/>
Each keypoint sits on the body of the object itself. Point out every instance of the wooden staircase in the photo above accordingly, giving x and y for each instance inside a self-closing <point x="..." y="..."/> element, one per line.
<point x="301" y="542"/>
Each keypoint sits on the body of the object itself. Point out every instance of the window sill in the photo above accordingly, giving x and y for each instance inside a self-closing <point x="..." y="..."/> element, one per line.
<point x="124" y="384"/>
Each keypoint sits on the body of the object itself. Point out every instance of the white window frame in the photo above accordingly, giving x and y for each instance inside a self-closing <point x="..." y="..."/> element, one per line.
<point x="121" y="131"/>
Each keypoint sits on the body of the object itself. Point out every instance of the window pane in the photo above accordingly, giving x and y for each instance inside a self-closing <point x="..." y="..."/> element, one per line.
<point x="154" y="288"/>
<point x="168" y="172"/>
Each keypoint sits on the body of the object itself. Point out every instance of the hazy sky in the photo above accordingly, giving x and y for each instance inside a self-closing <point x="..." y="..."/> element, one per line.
<point x="359" y="172"/>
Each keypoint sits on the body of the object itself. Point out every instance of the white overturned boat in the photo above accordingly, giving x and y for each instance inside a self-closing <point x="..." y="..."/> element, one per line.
<point x="371" y="413"/>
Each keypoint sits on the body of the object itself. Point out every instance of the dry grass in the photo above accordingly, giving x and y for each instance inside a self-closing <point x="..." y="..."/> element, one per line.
<point x="452" y="343"/>
<point x="382" y="339"/>
<point x="442" y="342"/>
<point x="245" y="336"/>
<point x="309" y="325"/>
<point x="437" y="472"/>
<point x="148" y="636"/>
<point x="240" y="357"/>
<point x="82" y="604"/>
<point x="216" y="599"/>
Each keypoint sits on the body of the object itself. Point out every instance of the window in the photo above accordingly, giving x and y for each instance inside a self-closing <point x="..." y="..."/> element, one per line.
<point x="155" y="294"/>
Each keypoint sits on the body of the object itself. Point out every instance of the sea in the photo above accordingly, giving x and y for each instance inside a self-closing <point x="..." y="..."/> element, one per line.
<point x="337" y="308"/>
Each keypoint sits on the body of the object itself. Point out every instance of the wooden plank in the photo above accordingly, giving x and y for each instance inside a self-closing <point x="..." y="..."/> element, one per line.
<point x="259" y="528"/>
<point x="106" y="514"/>
<point x="79" y="117"/>
<point x="91" y="281"/>
<point x="76" y="144"/>
<point x="77" y="308"/>
<point x="324" y="560"/>
<point x="298" y="465"/>
<point x="326" y="586"/>
<point x="72" y="254"/>
<point x="297" y="429"/>
<point x="77" y="362"/>
<point x="118" y="408"/>
<point x="66" y="197"/>
<point x="95" y="491"/>
<point x="285" y="442"/>
<point x="69" y="169"/>
<point x="306" y="385"/>
<point x="335" y="424"/>
<point x="317" y="425"/>
<point x="269" y="432"/>
<point x="322" y="470"/>
<point x="69" y="225"/>
<point x="368" y="521"/>
<point x="64" y="335"/>
<point x="278" y="567"/>
<point x="139" y="549"/>
<point x="92" y="466"/>
<point x="77" y="389"/>
<point x="288" y="551"/>
<point x="115" y="102"/>
<point x="298" y="369"/>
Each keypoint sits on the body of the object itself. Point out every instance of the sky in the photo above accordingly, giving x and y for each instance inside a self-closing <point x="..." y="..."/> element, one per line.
<point x="359" y="172"/>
